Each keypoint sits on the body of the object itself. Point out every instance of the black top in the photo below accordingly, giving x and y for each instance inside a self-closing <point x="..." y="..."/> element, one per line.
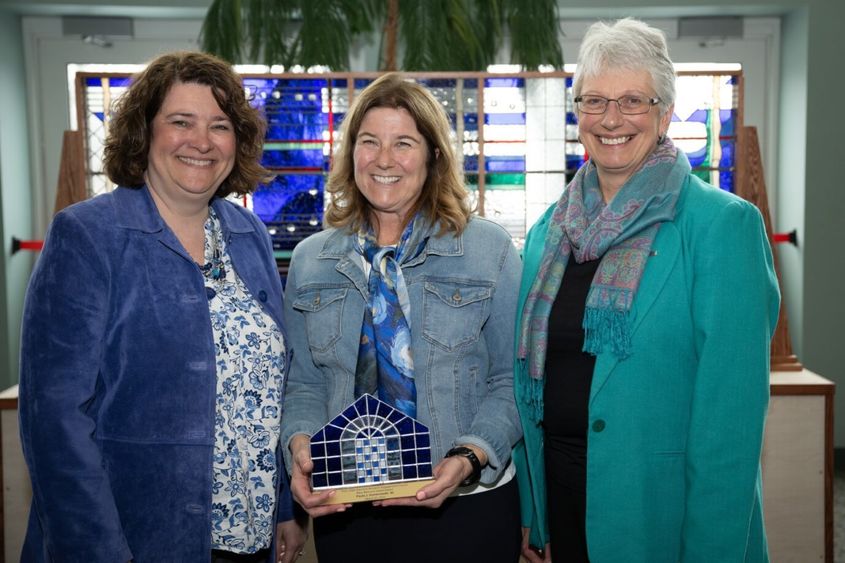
<point x="569" y="373"/>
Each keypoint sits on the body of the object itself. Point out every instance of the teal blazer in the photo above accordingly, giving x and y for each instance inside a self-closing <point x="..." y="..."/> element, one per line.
<point x="675" y="431"/>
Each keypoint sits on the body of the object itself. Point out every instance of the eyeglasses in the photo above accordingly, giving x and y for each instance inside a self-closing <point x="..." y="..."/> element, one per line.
<point x="631" y="104"/>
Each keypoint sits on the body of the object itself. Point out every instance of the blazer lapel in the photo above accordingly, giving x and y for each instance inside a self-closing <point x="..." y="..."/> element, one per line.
<point x="664" y="255"/>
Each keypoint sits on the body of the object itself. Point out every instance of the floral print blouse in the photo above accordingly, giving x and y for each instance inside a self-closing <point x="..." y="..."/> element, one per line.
<point x="250" y="354"/>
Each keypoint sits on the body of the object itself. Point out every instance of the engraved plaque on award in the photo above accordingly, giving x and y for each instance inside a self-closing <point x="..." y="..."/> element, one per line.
<point x="371" y="451"/>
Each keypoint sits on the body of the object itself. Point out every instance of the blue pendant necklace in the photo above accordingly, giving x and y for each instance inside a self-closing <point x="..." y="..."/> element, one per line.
<point x="214" y="269"/>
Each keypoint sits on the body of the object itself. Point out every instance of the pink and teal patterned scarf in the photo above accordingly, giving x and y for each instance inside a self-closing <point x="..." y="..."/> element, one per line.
<point x="620" y="234"/>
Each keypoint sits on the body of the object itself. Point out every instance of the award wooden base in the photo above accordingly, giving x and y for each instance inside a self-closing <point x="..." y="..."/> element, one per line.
<point x="380" y="491"/>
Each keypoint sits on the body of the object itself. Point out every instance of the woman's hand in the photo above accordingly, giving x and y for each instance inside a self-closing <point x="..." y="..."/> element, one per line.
<point x="290" y="539"/>
<point x="448" y="475"/>
<point x="533" y="554"/>
<point x="316" y="504"/>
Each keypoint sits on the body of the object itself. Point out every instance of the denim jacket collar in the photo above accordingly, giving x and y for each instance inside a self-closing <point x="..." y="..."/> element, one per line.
<point x="339" y="245"/>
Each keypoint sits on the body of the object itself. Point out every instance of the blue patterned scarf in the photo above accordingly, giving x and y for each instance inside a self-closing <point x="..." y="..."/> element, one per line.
<point x="621" y="235"/>
<point x="385" y="362"/>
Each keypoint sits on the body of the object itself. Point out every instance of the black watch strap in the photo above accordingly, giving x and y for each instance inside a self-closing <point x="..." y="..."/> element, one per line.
<point x="466" y="452"/>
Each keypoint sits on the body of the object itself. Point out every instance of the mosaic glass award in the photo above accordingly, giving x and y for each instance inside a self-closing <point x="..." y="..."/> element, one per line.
<point x="371" y="451"/>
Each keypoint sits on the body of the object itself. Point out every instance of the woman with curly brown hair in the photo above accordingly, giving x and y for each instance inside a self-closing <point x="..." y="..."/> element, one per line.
<point x="153" y="350"/>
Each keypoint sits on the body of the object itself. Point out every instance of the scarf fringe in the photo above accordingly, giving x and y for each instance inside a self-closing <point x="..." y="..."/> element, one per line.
<point x="531" y="391"/>
<point x="604" y="326"/>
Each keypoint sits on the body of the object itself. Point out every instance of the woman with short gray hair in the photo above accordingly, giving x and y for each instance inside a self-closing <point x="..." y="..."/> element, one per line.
<point x="647" y="304"/>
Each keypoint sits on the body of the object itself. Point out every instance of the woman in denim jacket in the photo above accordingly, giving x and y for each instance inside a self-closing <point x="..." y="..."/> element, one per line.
<point x="403" y="243"/>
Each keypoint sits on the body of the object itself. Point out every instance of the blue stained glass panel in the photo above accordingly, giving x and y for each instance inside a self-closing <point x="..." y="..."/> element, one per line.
<point x="425" y="471"/>
<point x="574" y="161"/>
<point x="291" y="206"/>
<point x="320" y="480"/>
<point x="504" y="82"/>
<point x="332" y="448"/>
<point x="728" y="147"/>
<point x="299" y="156"/>
<point x="332" y="432"/>
<point x="113" y="81"/>
<point x="383" y="410"/>
<point x="504" y="164"/>
<point x="372" y="404"/>
<point x="728" y="119"/>
<point x="504" y="118"/>
<point x="726" y="180"/>
<point x="405" y="425"/>
<point x="697" y="158"/>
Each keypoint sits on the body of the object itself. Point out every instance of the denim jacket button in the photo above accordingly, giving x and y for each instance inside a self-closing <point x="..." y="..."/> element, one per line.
<point x="317" y="299"/>
<point x="457" y="296"/>
<point x="262" y="295"/>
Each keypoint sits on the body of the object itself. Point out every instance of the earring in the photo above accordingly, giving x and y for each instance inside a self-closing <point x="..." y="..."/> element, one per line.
<point x="661" y="139"/>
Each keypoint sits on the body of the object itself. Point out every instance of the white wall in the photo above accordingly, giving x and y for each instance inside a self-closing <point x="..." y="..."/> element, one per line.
<point x="791" y="162"/>
<point x="15" y="200"/>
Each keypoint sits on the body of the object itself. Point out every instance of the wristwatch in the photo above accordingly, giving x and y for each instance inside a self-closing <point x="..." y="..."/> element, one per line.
<point x="466" y="452"/>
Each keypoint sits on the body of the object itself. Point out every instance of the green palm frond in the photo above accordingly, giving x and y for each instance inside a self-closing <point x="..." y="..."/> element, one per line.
<point x="329" y="34"/>
<point x="432" y="34"/>
<point x="533" y="26"/>
<point x="221" y="30"/>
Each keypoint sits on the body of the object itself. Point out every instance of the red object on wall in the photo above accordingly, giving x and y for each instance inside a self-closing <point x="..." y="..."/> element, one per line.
<point x="33" y="245"/>
<point x="791" y="237"/>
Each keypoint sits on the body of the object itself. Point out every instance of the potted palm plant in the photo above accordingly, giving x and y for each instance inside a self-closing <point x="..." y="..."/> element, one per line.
<point x="430" y="35"/>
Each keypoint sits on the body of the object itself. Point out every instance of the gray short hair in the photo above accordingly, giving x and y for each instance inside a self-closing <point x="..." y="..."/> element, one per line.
<point x="627" y="44"/>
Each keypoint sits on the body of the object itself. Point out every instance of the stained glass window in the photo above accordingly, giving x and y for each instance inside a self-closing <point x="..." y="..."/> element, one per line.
<point x="704" y="125"/>
<point x="515" y="135"/>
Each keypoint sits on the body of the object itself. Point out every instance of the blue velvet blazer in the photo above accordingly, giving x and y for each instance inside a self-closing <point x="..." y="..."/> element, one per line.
<point x="118" y="382"/>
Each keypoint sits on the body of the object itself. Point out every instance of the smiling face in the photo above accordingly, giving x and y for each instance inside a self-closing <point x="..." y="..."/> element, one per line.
<point x="192" y="146"/>
<point x="617" y="143"/>
<point x="390" y="159"/>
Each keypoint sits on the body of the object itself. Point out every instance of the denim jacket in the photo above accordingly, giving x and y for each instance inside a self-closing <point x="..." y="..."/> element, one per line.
<point x="463" y="292"/>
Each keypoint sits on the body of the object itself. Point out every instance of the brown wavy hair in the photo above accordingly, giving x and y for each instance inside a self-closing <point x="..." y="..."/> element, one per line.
<point x="130" y="129"/>
<point x="443" y="199"/>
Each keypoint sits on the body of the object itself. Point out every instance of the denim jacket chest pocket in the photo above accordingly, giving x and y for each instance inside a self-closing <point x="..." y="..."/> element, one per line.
<point x="322" y="309"/>
<point x="454" y="312"/>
